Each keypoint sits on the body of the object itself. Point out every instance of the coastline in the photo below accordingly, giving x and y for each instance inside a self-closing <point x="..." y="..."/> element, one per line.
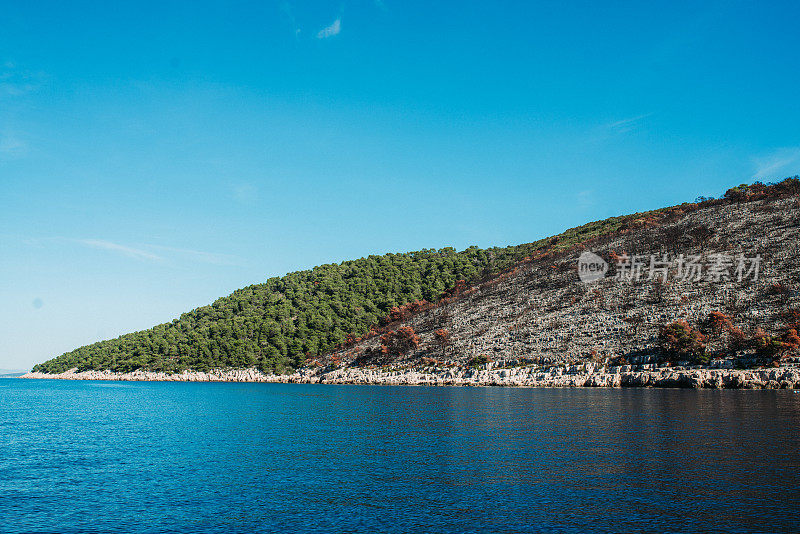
<point x="561" y="377"/>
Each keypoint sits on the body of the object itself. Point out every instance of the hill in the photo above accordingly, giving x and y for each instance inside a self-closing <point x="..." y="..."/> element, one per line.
<point x="513" y="303"/>
<point x="726" y="296"/>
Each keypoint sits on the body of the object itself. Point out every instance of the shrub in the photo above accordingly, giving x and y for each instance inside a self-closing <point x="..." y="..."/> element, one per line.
<point x="404" y="312"/>
<point x="738" y="193"/>
<point x="789" y="186"/>
<point x="399" y="342"/>
<point x="791" y="339"/>
<point x="442" y="338"/>
<point x="737" y="341"/>
<point x="721" y="325"/>
<point x="718" y="322"/>
<point x="766" y="346"/>
<point x="479" y="360"/>
<point x="429" y="362"/>
<point x="792" y="319"/>
<point x="682" y="342"/>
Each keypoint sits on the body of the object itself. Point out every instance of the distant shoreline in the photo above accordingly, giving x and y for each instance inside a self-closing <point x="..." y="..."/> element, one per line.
<point x="562" y="377"/>
<point x="15" y="374"/>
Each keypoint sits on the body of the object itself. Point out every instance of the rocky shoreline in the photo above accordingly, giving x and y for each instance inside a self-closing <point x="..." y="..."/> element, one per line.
<point x="560" y="377"/>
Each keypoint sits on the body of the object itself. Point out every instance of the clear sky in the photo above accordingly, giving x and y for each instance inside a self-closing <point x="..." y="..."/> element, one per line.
<point x="156" y="156"/>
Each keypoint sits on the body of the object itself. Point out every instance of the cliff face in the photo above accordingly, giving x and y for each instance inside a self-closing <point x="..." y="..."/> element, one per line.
<point x="542" y="312"/>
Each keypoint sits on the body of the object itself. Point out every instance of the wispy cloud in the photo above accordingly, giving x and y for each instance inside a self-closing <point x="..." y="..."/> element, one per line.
<point x="286" y="9"/>
<point x="120" y="249"/>
<point x="331" y="30"/>
<point x="158" y="253"/>
<point x="12" y="146"/>
<point x="625" y="125"/>
<point x="777" y="163"/>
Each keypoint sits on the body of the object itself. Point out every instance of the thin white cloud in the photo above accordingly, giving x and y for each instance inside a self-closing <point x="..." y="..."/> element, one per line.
<point x="120" y="249"/>
<point x="144" y="252"/>
<point x="161" y="253"/>
<point x="287" y="11"/>
<point x="778" y="163"/>
<point x="625" y="125"/>
<point x="331" y="30"/>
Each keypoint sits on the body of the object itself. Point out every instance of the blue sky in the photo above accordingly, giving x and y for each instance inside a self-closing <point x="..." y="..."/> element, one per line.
<point x="156" y="156"/>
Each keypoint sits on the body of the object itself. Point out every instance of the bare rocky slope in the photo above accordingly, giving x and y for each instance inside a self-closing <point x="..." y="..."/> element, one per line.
<point x="681" y="304"/>
<point x="542" y="312"/>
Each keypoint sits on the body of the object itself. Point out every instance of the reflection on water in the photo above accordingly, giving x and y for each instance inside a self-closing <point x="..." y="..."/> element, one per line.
<point x="186" y="457"/>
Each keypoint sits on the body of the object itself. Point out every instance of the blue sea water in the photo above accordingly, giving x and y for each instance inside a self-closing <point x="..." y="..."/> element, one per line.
<point x="225" y="458"/>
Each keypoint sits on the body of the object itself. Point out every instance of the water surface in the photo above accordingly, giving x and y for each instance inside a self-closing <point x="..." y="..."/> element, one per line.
<point x="188" y="457"/>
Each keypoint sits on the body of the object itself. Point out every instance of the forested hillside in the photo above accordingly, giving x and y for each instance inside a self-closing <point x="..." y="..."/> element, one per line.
<point x="276" y="325"/>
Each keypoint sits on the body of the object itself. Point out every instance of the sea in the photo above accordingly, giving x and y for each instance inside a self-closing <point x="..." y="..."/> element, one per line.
<point x="157" y="457"/>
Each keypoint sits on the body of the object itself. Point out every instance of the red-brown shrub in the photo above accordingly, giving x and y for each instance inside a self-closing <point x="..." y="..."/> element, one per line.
<point x="681" y="341"/>
<point x="396" y="343"/>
